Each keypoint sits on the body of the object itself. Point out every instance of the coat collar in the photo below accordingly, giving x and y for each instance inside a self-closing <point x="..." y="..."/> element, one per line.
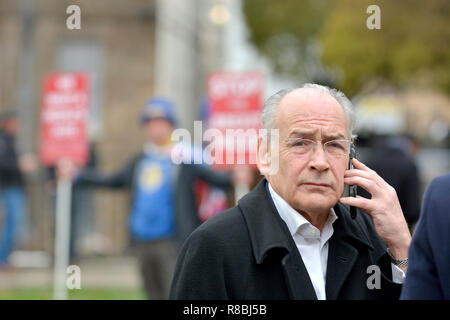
<point x="269" y="235"/>
<point x="268" y="232"/>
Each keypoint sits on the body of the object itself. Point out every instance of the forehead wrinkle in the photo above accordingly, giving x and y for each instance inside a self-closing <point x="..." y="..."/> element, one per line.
<point x="300" y="114"/>
<point x="301" y="117"/>
<point x="327" y="133"/>
<point x="330" y="124"/>
<point x="308" y="125"/>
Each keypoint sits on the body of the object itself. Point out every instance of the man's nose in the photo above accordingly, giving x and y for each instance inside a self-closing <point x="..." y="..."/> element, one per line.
<point x="319" y="160"/>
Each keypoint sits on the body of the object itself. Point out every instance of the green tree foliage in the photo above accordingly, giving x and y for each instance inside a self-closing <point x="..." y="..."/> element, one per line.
<point x="284" y="30"/>
<point x="411" y="46"/>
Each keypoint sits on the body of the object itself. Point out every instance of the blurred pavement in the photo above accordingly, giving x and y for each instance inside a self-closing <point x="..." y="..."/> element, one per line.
<point x="96" y="272"/>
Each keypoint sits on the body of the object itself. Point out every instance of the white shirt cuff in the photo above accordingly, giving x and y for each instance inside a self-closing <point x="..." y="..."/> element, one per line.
<point x="398" y="276"/>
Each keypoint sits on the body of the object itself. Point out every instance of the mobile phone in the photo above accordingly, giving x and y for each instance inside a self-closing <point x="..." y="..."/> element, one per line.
<point x="352" y="188"/>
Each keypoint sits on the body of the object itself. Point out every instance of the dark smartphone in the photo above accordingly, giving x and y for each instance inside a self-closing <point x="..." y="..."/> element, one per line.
<point x="352" y="188"/>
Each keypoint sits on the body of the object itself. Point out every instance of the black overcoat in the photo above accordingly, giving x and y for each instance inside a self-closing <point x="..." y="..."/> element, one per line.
<point x="247" y="252"/>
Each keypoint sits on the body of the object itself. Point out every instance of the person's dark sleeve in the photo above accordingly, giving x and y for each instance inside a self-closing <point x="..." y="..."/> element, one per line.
<point x="121" y="178"/>
<point x="412" y="198"/>
<point x="199" y="273"/>
<point x="8" y="161"/>
<point x="216" y="178"/>
<point x="422" y="281"/>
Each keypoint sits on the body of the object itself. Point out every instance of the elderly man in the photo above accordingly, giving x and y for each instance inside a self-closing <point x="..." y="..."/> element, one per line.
<point x="290" y="238"/>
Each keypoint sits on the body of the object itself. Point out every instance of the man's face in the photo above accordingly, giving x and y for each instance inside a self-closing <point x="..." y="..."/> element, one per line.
<point x="158" y="131"/>
<point x="311" y="183"/>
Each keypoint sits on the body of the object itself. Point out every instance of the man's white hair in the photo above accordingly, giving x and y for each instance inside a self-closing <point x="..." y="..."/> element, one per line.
<point x="268" y="113"/>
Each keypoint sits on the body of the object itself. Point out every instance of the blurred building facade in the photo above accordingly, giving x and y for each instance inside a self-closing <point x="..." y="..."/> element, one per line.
<point x="132" y="50"/>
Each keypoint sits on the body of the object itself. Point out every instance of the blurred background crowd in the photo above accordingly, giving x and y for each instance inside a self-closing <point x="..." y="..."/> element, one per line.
<point x="397" y="78"/>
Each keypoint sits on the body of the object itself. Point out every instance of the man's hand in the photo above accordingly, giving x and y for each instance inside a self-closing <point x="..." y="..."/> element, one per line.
<point x="66" y="170"/>
<point x="383" y="207"/>
<point x="28" y="163"/>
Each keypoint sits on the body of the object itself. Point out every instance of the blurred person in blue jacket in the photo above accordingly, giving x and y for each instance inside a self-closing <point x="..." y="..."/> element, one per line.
<point x="157" y="184"/>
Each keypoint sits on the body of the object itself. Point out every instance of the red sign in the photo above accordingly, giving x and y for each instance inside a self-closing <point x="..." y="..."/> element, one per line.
<point x="235" y="101"/>
<point x="64" y="118"/>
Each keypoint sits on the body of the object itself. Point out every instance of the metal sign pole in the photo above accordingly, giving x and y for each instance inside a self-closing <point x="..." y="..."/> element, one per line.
<point x="62" y="238"/>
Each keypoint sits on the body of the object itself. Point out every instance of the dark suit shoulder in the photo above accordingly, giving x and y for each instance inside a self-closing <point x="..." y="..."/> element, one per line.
<point x="438" y="190"/>
<point x="427" y="276"/>
<point x="435" y="207"/>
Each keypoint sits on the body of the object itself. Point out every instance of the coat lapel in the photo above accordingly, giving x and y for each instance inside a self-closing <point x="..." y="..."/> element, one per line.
<point x="268" y="235"/>
<point x="341" y="259"/>
<point x="342" y="252"/>
<point x="297" y="278"/>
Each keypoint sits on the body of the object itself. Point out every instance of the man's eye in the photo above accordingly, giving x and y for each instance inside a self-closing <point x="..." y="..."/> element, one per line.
<point x="300" y="143"/>
<point x="336" y="145"/>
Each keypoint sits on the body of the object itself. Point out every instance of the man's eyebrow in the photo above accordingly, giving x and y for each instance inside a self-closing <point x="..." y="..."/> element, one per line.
<point x="302" y="133"/>
<point x="334" y="136"/>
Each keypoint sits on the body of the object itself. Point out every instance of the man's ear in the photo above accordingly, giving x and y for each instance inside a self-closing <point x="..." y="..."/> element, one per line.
<point x="263" y="155"/>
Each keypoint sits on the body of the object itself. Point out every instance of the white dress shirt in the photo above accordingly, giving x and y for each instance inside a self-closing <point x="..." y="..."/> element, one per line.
<point x="313" y="244"/>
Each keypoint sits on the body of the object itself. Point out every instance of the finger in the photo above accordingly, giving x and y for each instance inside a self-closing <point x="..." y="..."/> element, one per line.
<point x="358" y="173"/>
<point x="359" y="165"/>
<point x="372" y="176"/>
<point x="358" y="202"/>
<point x="367" y="184"/>
<point x="366" y="172"/>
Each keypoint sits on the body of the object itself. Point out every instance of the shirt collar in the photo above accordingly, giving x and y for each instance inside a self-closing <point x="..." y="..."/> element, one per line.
<point x="293" y="219"/>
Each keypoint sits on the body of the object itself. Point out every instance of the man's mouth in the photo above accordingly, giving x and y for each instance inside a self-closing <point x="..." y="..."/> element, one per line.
<point x="319" y="185"/>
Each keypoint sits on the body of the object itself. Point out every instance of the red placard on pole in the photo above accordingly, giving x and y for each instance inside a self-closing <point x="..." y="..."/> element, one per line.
<point x="64" y="118"/>
<point x="235" y="101"/>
